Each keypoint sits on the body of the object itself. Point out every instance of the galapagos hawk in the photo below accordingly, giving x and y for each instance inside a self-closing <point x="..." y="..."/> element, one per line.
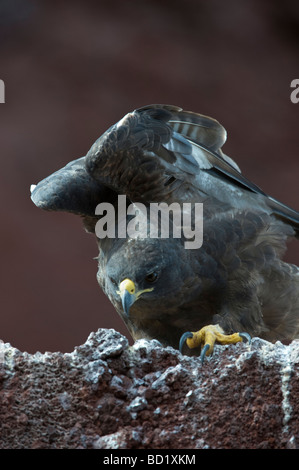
<point x="235" y="285"/>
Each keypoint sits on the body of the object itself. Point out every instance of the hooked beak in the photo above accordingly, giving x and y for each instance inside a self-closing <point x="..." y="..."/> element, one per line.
<point x="128" y="294"/>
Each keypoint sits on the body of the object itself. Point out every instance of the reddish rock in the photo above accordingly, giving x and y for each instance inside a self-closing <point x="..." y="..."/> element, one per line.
<point x="108" y="395"/>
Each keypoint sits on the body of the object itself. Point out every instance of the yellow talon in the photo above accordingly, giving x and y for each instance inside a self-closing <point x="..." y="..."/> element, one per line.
<point x="208" y="336"/>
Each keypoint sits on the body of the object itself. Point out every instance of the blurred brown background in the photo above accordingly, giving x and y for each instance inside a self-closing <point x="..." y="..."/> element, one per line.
<point x="72" y="69"/>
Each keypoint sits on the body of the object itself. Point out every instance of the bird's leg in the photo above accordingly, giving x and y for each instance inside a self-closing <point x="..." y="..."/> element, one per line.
<point x="208" y="336"/>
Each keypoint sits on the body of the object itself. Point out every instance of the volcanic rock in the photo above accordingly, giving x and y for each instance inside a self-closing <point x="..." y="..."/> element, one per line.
<point x="109" y="395"/>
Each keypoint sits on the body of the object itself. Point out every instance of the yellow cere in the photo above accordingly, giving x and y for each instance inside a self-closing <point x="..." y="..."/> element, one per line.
<point x="129" y="286"/>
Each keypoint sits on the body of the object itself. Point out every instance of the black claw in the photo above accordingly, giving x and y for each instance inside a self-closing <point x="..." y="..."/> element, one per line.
<point x="246" y="336"/>
<point x="184" y="336"/>
<point x="203" y="352"/>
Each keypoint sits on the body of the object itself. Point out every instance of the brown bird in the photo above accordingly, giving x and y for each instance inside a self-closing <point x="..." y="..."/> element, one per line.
<point x="234" y="285"/>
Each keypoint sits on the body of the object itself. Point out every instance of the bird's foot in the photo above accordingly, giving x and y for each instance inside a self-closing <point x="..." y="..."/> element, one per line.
<point x="207" y="337"/>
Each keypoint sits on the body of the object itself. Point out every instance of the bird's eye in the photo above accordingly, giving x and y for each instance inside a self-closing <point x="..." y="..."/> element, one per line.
<point x="151" y="277"/>
<point x="113" y="281"/>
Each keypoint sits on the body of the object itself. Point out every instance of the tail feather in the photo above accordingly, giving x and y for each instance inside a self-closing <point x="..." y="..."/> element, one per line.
<point x="285" y="213"/>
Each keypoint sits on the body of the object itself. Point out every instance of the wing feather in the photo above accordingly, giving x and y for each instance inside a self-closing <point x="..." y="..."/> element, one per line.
<point x="156" y="153"/>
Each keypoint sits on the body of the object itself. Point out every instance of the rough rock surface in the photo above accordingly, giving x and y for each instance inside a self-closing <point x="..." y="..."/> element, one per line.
<point x="107" y="395"/>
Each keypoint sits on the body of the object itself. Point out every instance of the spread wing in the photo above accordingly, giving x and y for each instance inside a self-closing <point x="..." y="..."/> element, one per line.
<point x="72" y="189"/>
<point x="154" y="150"/>
<point x="154" y="147"/>
<point x="157" y="153"/>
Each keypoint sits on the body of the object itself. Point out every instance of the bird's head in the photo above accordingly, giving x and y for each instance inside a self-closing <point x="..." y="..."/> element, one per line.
<point x="142" y="272"/>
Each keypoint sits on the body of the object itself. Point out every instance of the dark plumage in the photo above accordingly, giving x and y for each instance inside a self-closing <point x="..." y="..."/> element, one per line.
<point x="236" y="280"/>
